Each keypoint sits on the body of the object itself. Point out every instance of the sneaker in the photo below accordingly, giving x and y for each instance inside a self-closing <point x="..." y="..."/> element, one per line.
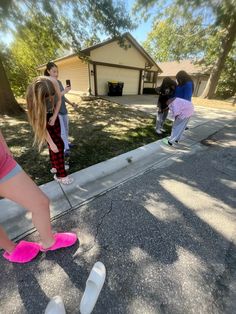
<point x="65" y="180"/>
<point x="166" y="142"/>
<point x="53" y="170"/>
<point x="158" y="132"/>
<point x="163" y="130"/>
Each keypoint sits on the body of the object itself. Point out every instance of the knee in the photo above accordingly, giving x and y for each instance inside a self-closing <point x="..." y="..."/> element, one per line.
<point x="45" y="202"/>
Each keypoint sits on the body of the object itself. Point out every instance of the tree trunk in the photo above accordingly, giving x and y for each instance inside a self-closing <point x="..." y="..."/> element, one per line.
<point x="8" y="103"/>
<point x="226" y="46"/>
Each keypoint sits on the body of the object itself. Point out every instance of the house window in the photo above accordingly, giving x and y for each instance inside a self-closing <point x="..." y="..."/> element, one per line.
<point x="150" y="77"/>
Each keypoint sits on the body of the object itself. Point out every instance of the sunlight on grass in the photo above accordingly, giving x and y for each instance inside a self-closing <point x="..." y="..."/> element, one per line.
<point x="99" y="129"/>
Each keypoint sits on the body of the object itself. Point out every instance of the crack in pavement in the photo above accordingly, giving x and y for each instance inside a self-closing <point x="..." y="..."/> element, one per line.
<point x="98" y="227"/>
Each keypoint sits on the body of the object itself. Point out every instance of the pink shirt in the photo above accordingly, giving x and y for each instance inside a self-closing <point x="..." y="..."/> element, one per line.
<point x="7" y="163"/>
<point x="182" y="108"/>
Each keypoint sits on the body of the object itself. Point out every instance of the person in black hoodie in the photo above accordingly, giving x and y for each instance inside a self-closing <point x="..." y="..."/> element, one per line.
<point x="165" y="92"/>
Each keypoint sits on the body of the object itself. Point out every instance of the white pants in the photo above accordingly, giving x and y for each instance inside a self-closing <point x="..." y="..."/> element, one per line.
<point x="178" y="128"/>
<point x="161" y="118"/>
<point x="64" y="123"/>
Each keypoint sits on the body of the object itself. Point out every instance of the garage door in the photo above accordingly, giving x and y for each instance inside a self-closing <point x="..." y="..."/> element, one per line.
<point x="129" y="77"/>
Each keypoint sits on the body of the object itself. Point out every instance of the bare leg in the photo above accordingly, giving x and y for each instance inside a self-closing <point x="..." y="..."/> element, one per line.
<point x="5" y="242"/>
<point x="22" y="190"/>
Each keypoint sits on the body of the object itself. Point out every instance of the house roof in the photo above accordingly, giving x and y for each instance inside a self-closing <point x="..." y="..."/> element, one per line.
<point x="127" y="35"/>
<point x="173" y="67"/>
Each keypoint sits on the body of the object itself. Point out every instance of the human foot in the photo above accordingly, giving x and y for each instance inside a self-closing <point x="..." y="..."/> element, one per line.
<point x="62" y="240"/>
<point x="65" y="180"/>
<point x="23" y="252"/>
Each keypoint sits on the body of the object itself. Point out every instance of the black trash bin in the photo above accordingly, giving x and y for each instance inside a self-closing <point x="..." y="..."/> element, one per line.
<point x="115" y="88"/>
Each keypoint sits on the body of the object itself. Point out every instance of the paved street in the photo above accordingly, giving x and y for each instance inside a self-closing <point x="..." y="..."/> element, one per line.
<point x="167" y="239"/>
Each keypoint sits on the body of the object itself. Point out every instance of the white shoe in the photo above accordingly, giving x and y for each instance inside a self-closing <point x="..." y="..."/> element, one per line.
<point x="158" y="132"/>
<point x="93" y="288"/>
<point x="64" y="180"/>
<point x="55" y="306"/>
<point x="163" y="130"/>
<point x="53" y="170"/>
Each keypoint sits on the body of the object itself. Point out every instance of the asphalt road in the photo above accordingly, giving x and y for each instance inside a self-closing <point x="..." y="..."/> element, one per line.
<point x="167" y="239"/>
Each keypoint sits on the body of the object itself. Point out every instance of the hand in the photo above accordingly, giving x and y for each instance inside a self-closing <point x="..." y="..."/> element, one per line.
<point x="52" y="120"/>
<point x="74" y="105"/>
<point x="54" y="148"/>
<point x="67" y="89"/>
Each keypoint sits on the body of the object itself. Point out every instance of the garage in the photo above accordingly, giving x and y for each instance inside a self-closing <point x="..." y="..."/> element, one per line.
<point x="130" y="77"/>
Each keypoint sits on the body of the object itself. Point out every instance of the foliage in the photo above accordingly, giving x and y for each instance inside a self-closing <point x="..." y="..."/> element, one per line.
<point x="34" y="44"/>
<point x="226" y="85"/>
<point x="72" y="20"/>
<point x="169" y="41"/>
<point x="194" y="29"/>
<point x="73" y="23"/>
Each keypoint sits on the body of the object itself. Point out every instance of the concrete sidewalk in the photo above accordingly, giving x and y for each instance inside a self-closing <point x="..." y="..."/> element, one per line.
<point x="167" y="238"/>
<point x="99" y="178"/>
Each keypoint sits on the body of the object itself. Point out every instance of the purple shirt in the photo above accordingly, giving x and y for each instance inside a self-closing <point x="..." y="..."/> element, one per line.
<point x="181" y="108"/>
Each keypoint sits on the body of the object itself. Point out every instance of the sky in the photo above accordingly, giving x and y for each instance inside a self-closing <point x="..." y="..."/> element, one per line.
<point x="140" y="34"/>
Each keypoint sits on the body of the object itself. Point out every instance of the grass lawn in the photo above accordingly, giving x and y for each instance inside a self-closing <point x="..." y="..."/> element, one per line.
<point x="213" y="103"/>
<point x="100" y="129"/>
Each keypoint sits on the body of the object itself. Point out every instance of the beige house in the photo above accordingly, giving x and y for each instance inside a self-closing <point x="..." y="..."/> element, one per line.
<point x="198" y="74"/>
<point x="108" y="61"/>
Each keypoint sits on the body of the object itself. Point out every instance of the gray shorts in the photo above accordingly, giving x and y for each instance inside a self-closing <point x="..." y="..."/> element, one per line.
<point x="17" y="169"/>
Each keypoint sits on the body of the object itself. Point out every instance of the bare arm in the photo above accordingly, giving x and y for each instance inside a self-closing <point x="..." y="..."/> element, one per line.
<point x="66" y="90"/>
<point x="51" y="143"/>
<point x="70" y="103"/>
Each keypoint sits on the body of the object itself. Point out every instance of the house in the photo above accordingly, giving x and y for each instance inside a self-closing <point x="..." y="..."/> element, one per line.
<point x="109" y="61"/>
<point x="198" y="73"/>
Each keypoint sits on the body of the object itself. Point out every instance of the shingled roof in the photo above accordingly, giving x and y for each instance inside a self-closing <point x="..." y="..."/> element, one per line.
<point x="173" y="67"/>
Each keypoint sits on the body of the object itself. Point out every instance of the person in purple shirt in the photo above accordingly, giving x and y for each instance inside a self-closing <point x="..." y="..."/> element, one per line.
<point x="185" y="86"/>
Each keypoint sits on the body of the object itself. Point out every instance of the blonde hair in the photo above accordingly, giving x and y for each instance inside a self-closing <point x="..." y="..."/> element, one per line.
<point x="37" y="92"/>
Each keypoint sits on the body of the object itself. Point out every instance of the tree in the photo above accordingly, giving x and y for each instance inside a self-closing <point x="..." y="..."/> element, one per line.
<point x="226" y="45"/>
<point x="8" y="103"/>
<point x="73" y="21"/>
<point x="176" y="39"/>
<point x="226" y="86"/>
<point x="220" y="17"/>
<point x="34" y="44"/>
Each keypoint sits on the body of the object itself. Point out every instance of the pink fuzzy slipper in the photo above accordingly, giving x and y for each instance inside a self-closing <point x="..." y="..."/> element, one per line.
<point x="24" y="252"/>
<point x="62" y="240"/>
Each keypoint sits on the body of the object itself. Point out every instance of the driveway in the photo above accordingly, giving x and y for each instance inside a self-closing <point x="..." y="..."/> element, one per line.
<point x="148" y="103"/>
<point x="140" y="102"/>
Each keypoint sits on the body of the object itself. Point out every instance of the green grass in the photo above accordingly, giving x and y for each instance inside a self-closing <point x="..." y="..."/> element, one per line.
<point x="100" y="129"/>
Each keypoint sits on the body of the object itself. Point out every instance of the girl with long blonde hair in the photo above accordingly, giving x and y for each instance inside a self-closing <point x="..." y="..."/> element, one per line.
<point x="41" y="96"/>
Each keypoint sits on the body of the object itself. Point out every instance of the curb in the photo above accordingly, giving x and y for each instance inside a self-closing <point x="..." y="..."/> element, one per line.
<point x="101" y="177"/>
